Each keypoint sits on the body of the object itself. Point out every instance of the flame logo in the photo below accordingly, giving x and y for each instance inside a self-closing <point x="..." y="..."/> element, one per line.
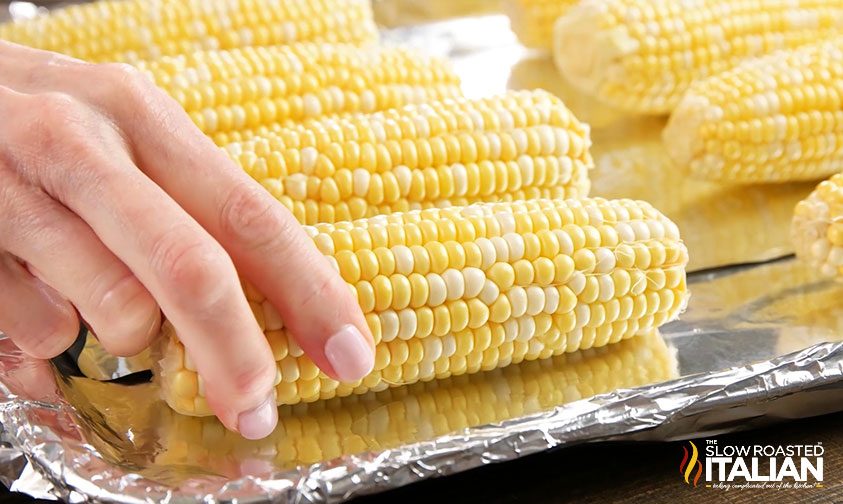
<point x="686" y="467"/>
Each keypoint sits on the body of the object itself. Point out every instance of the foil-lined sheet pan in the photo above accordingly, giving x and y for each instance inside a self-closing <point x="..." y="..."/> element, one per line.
<point x="748" y="351"/>
<point x="757" y="344"/>
<point x="630" y="158"/>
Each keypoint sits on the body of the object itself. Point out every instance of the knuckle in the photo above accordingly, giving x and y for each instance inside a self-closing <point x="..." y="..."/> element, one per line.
<point x="46" y="120"/>
<point x="124" y="310"/>
<point x="110" y="293"/>
<point x="328" y="289"/>
<point x="251" y="217"/>
<point x="56" y="105"/>
<point x="132" y="86"/>
<point x="126" y="77"/>
<point x="192" y="267"/>
<point x="253" y="377"/>
<point x="48" y="336"/>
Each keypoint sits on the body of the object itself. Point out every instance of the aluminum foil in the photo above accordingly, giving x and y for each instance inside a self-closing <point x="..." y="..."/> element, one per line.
<point x="756" y="345"/>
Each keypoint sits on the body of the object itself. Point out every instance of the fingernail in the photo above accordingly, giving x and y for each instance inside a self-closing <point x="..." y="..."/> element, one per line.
<point x="350" y="354"/>
<point x="259" y="422"/>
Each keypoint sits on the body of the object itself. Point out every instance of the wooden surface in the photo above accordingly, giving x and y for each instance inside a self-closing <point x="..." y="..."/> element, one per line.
<point x="627" y="473"/>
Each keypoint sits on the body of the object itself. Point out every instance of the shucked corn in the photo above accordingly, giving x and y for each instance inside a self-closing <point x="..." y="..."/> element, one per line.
<point x="533" y="20"/>
<point x="452" y="291"/>
<point x="642" y="55"/>
<point x="311" y="433"/>
<point x="818" y="228"/>
<point x="771" y="119"/>
<point x="519" y="145"/>
<point x="231" y="95"/>
<point x="132" y="30"/>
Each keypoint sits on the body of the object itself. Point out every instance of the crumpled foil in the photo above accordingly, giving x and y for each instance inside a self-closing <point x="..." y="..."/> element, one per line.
<point x="757" y="345"/>
<point x="748" y="351"/>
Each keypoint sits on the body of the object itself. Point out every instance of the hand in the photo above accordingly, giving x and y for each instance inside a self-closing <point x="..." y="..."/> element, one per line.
<point x="113" y="204"/>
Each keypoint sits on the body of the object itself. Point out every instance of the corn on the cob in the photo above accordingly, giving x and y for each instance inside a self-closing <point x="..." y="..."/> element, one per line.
<point x="533" y="20"/>
<point x="771" y="119"/>
<point x="817" y="228"/>
<point x="132" y="30"/>
<point x="232" y="94"/>
<point x="458" y="290"/>
<point x="519" y="145"/>
<point x="642" y="55"/>
<point x="311" y="433"/>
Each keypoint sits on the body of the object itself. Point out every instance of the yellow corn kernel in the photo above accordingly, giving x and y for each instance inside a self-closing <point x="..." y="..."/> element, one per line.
<point x="392" y="417"/>
<point x="131" y="30"/>
<point x="770" y="119"/>
<point x="437" y="180"/>
<point x="326" y="79"/>
<point x="817" y="227"/>
<point x="643" y="55"/>
<point x="471" y="316"/>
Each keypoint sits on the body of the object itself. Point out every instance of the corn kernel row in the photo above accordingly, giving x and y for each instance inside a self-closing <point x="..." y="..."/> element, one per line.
<point x="642" y="55"/>
<point x="817" y="228"/>
<point x="520" y="145"/>
<point x="316" y="432"/>
<point x="452" y="291"/>
<point x="232" y="95"/>
<point x="772" y="119"/>
<point x="134" y="30"/>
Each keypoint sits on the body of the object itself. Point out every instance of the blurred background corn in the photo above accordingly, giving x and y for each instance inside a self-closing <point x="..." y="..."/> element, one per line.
<point x="233" y="95"/>
<point x="132" y="30"/>
<point x="642" y="55"/>
<point x="771" y="119"/>
<point x="519" y="145"/>
<point x="400" y="13"/>
<point x="818" y="228"/>
<point x="533" y="20"/>
<point x="453" y="291"/>
<point x="310" y="433"/>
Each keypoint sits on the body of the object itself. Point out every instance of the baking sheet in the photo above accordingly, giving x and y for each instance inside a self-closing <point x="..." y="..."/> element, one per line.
<point x="629" y="155"/>
<point x="756" y="345"/>
<point x="748" y="351"/>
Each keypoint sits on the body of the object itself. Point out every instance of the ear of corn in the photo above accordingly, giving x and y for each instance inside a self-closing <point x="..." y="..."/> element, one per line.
<point x="817" y="228"/>
<point x="132" y="30"/>
<point x="533" y="20"/>
<point x="453" y="291"/>
<point x="519" y="145"/>
<point x="311" y="433"/>
<point x="232" y="94"/>
<point x="642" y="55"/>
<point x="772" y="119"/>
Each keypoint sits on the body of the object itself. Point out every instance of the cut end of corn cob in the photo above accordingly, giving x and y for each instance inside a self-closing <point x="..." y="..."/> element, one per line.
<point x="519" y="145"/>
<point x="642" y="55"/>
<point x="458" y="290"/>
<point x="770" y="119"/>
<point x="587" y="55"/>
<point x="232" y="94"/>
<point x="533" y="20"/>
<point x="134" y="30"/>
<point x="817" y="228"/>
<point x="682" y="139"/>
